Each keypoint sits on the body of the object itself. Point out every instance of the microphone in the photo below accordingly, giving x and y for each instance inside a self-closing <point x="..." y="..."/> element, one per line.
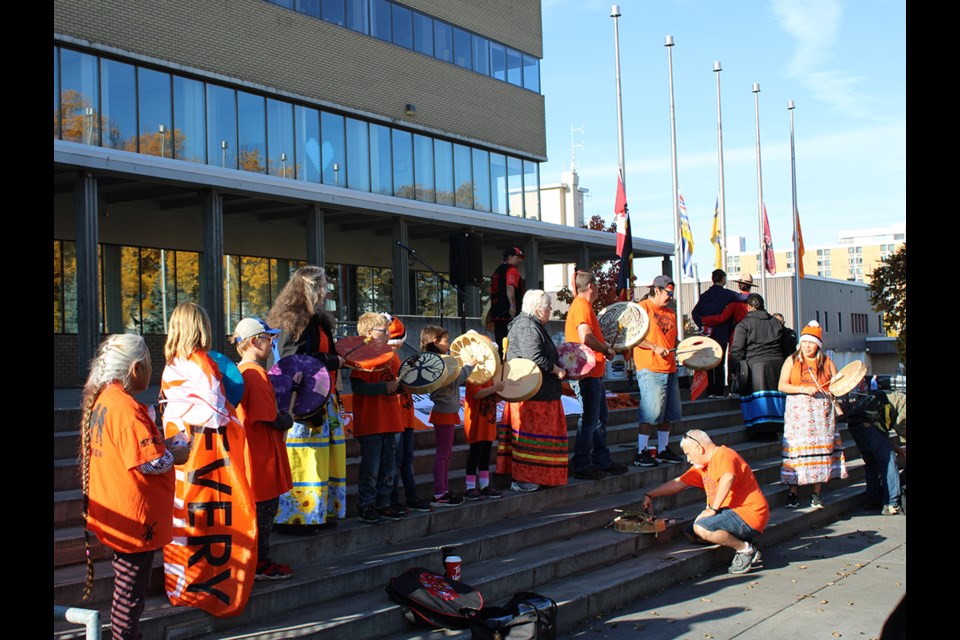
<point x="406" y="247"/>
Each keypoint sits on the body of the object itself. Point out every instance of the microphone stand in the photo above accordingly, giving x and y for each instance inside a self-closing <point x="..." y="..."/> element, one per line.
<point x="441" y="279"/>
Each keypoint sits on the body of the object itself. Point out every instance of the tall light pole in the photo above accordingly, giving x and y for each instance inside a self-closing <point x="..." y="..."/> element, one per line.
<point x="763" y="246"/>
<point x="722" y="197"/>
<point x="678" y="267"/>
<point x="615" y="14"/>
<point x="796" y="223"/>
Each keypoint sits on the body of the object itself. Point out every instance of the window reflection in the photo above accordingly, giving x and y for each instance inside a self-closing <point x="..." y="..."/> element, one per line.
<point x="481" y="55"/>
<point x="498" y="183"/>
<point x="156" y="131"/>
<point x="56" y="93"/>
<point x="118" y="88"/>
<point x="251" y="116"/>
<point x="333" y="11"/>
<point x="442" y="41"/>
<point x="309" y="7"/>
<point x="221" y="126"/>
<point x="432" y="297"/>
<point x="402" y="27"/>
<point x="280" y="139"/>
<point x="358" y="16"/>
<point x="481" y="180"/>
<point x="422" y="33"/>
<point x="461" y="48"/>
<point x="531" y="73"/>
<point x="380" y="160"/>
<point x="79" y="104"/>
<point x="308" y="143"/>
<point x="358" y="167"/>
<point x="463" y="176"/>
<point x="515" y="186"/>
<point x="403" y="164"/>
<point x="331" y="127"/>
<point x="188" y="109"/>
<point x="380" y="20"/>
<point x="443" y="157"/>
<point x="374" y="289"/>
<point x="498" y="61"/>
<point x="423" y="167"/>
<point x="514" y="69"/>
<point x="531" y="189"/>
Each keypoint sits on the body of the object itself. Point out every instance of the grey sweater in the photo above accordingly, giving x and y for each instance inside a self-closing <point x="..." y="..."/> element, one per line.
<point x="447" y="399"/>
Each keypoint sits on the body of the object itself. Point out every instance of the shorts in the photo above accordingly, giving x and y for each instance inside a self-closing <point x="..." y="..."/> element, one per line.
<point x="728" y="520"/>
<point x="659" y="397"/>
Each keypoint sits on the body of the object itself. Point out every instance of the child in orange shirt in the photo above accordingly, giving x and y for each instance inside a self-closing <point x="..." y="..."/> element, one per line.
<point x="378" y="416"/>
<point x="480" y="427"/>
<point x="127" y="475"/>
<point x="265" y="428"/>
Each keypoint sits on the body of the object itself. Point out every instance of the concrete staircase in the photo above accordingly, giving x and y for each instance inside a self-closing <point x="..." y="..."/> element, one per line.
<point x="555" y="541"/>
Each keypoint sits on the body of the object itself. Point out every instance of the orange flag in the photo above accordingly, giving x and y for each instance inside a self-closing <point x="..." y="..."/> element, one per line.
<point x="799" y="239"/>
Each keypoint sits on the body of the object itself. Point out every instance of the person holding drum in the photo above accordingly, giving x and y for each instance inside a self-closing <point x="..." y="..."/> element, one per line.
<point x="712" y="302"/>
<point x="315" y="444"/>
<point x="756" y="357"/>
<point x="538" y="425"/>
<point x="812" y="450"/>
<point x="656" y="365"/>
<point x="591" y="457"/>
<point x="506" y="288"/>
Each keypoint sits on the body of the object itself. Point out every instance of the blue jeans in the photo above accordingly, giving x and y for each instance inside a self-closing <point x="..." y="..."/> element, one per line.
<point x="659" y="397"/>
<point x="591" y="445"/>
<point x="404" y="471"/>
<point x="880" y="463"/>
<point x="377" y="467"/>
<point x="728" y="520"/>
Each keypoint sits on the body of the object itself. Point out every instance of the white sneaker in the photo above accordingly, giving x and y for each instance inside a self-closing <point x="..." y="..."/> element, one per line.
<point x="524" y="487"/>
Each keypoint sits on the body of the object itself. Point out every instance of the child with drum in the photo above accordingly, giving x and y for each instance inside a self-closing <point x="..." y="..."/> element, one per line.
<point x="480" y="427"/>
<point x="445" y="415"/>
<point x="378" y="416"/>
<point x="265" y="427"/>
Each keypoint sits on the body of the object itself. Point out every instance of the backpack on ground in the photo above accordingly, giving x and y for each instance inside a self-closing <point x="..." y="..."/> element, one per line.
<point x="433" y="599"/>
<point x="526" y="616"/>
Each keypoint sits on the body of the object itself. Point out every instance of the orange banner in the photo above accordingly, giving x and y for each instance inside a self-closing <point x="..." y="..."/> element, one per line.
<point x="699" y="384"/>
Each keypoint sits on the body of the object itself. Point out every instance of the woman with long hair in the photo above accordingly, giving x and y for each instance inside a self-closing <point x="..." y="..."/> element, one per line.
<point x="315" y="444"/>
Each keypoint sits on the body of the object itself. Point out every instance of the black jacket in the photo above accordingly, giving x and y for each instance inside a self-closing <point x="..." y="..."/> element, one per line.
<point x="528" y="339"/>
<point x="757" y="337"/>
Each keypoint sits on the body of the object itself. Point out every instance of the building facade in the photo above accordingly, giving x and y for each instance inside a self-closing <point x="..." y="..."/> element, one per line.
<point x="203" y="151"/>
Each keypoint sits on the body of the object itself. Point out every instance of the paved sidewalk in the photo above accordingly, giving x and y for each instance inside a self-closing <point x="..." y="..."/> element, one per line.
<point x="840" y="581"/>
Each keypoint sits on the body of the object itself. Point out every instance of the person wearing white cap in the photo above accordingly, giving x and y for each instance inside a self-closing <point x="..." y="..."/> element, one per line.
<point x="812" y="450"/>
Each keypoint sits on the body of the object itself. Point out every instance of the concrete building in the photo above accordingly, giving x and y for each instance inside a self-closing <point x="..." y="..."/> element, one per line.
<point x="854" y="257"/>
<point x="203" y="151"/>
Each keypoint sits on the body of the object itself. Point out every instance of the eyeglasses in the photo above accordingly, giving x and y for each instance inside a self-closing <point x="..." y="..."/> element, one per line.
<point x="269" y="336"/>
<point x="385" y="331"/>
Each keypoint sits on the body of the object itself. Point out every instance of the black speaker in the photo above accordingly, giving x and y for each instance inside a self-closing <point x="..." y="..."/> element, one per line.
<point x="466" y="259"/>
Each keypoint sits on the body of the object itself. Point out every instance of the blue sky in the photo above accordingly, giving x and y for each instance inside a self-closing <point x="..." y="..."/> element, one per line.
<point x="842" y="62"/>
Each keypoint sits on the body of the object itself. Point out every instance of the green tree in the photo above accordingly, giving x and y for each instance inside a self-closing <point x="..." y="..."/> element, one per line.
<point x="605" y="271"/>
<point x="888" y="294"/>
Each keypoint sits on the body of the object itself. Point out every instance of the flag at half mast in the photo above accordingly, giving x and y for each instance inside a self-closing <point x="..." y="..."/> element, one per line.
<point x="686" y="239"/>
<point x="799" y="240"/>
<point x="624" y="243"/>
<point x="715" y="236"/>
<point x="769" y="258"/>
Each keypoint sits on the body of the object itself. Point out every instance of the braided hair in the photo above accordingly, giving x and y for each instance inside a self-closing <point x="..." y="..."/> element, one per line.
<point x="114" y="362"/>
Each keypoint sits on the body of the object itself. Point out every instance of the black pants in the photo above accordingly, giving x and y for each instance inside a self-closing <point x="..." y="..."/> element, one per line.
<point x="716" y="377"/>
<point x="266" y="512"/>
<point x="499" y="333"/>
<point x="479" y="457"/>
<point x="131" y="577"/>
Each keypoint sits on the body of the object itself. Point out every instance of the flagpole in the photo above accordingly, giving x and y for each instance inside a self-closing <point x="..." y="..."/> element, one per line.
<point x="796" y="224"/>
<point x="615" y="14"/>
<point x="723" y="203"/>
<point x="678" y="266"/>
<point x="763" y="247"/>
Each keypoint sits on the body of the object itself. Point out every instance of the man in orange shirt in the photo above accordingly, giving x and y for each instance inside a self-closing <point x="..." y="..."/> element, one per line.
<point x="736" y="507"/>
<point x="591" y="457"/>
<point x="656" y="365"/>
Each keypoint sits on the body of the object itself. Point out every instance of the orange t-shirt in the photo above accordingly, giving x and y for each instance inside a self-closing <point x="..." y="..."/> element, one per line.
<point x="745" y="497"/>
<point x="129" y="511"/>
<point x="800" y="374"/>
<point x="270" y="467"/>
<point x="581" y="312"/>
<point x="381" y="413"/>
<point x="663" y="332"/>
<point x="480" y="415"/>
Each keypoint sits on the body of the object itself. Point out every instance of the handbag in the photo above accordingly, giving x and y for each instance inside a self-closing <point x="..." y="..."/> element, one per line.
<point x="526" y="616"/>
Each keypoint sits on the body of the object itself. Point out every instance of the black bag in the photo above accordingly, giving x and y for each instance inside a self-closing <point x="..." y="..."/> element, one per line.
<point x="428" y="597"/>
<point x="526" y="616"/>
<point x="740" y="378"/>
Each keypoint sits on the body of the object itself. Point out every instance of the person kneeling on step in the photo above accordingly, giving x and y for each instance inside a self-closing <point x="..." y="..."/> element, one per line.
<point x="736" y="508"/>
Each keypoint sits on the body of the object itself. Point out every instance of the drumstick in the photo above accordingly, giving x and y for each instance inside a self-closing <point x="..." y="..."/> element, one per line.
<point x="297" y="380"/>
<point x="833" y="398"/>
<point x="616" y="335"/>
<point x="502" y="369"/>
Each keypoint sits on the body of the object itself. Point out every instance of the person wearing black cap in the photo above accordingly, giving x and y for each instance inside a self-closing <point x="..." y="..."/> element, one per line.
<point x="506" y="288"/>
<point x="712" y="302"/>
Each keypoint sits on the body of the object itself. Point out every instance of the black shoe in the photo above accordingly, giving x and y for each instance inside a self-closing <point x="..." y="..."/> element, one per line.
<point x="616" y="469"/>
<point x="644" y="459"/>
<point x="369" y="514"/>
<point x="589" y="473"/>
<point x="669" y="456"/>
<point x="417" y="504"/>
<point x="390" y="513"/>
<point x="792" y="501"/>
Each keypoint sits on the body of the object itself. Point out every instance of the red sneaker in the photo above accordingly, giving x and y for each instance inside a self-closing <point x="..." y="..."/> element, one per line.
<point x="273" y="571"/>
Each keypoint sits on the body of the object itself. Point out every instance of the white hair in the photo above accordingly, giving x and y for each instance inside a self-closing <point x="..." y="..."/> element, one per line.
<point x="114" y="359"/>
<point x="535" y="300"/>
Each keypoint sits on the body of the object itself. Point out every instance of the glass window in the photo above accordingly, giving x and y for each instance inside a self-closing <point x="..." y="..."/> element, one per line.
<point x="531" y="73"/>
<point x="463" y="176"/>
<point x="403" y="164"/>
<point x="380" y="160"/>
<point x="188" y="277"/>
<point x="461" y="48"/>
<point x="331" y="126"/>
<point x="286" y="4"/>
<point x="254" y="287"/>
<point x="380" y="20"/>
<point x="231" y="292"/>
<point x="481" y="180"/>
<point x="358" y="16"/>
<point x="333" y="11"/>
<point x="515" y="186"/>
<point x="188" y="120"/>
<point x="79" y="99"/>
<point x="422" y="33"/>
<point x="69" y="258"/>
<point x="481" y="55"/>
<point x="221" y="126"/>
<point x="531" y="190"/>
<point x="252" y="118"/>
<point x="56" y="93"/>
<point x="118" y="84"/>
<point x="431" y="296"/>
<point x="442" y="41"/>
<point x="57" y="286"/>
<point x="130" y="289"/>
<point x="423" y="167"/>
<point x="152" y="286"/>
<point x="309" y="7"/>
<point x="374" y="289"/>
<point x="443" y="158"/>
<point x="498" y="183"/>
<point x="402" y="27"/>
<point x="498" y="61"/>
<point x="280" y="139"/>
<point x="514" y="69"/>
<point x="358" y="165"/>
<point x="156" y="135"/>
<point x="308" y="143"/>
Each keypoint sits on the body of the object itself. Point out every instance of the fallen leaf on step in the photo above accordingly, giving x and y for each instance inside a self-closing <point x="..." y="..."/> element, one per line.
<point x="850" y="604"/>
<point x="835" y="634"/>
<point x="705" y="600"/>
<point x="824" y="601"/>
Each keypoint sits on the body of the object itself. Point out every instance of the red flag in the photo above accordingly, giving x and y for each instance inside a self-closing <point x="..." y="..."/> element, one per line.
<point x="624" y="242"/>
<point x="769" y="259"/>
<point x="699" y="384"/>
<point x="799" y="239"/>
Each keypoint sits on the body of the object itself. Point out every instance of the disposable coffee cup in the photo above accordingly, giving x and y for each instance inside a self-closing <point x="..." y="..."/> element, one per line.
<point x="451" y="565"/>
